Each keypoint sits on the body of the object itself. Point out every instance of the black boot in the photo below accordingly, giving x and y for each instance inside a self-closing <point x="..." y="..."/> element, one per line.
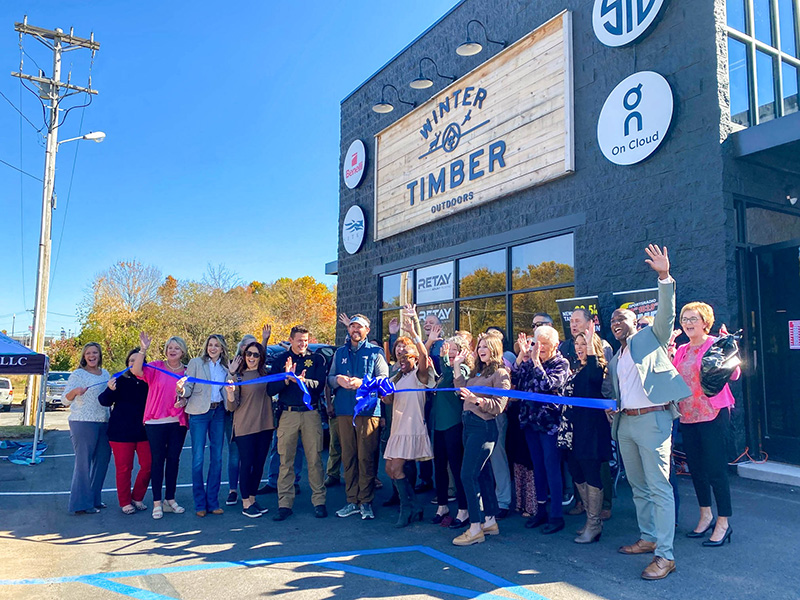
<point x="403" y="487"/>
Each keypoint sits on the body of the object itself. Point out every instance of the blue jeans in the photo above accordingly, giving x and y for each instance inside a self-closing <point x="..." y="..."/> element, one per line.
<point x="274" y="462"/>
<point x="233" y="453"/>
<point x="546" y="459"/>
<point x="209" y="425"/>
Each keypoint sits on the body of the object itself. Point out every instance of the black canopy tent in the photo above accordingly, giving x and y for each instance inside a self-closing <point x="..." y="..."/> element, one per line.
<point x="16" y="359"/>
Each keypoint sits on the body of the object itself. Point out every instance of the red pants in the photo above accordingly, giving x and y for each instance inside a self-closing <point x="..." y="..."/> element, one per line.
<point x="123" y="462"/>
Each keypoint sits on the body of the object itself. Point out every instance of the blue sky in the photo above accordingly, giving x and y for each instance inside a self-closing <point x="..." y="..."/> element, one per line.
<point x="222" y="123"/>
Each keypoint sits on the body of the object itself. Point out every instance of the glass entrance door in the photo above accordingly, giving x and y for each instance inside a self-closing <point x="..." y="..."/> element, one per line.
<point x="778" y="273"/>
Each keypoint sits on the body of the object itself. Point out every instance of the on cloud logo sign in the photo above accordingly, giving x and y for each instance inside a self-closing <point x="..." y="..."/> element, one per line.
<point x="635" y="118"/>
<point x="620" y="22"/>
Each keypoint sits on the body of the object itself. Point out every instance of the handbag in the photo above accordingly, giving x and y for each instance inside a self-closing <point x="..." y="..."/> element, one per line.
<point x="719" y="363"/>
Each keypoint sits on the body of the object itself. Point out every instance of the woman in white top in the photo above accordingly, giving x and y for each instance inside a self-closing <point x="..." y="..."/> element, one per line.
<point x="88" y="430"/>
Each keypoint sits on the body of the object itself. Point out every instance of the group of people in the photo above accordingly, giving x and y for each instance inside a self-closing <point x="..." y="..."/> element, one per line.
<point x="449" y="406"/>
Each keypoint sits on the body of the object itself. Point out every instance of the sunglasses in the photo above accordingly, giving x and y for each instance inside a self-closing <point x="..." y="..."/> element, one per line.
<point x="640" y="326"/>
<point x="249" y="354"/>
<point x="534" y="325"/>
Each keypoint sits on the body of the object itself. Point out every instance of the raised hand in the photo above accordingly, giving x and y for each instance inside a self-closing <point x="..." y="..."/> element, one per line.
<point x="445" y="349"/>
<point x="235" y="364"/>
<point x="266" y="333"/>
<point x="344" y="320"/>
<point x="460" y="358"/>
<point x="674" y="335"/>
<point x="723" y="330"/>
<point x="658" y="260"/>
<point x="144" y="341"/>
<point x="289" y="366"/>
<point x="435" y="333"/>
<point x="535" y="354"/>
<point x="410" y="310"/>
<point x="394" y="326"/>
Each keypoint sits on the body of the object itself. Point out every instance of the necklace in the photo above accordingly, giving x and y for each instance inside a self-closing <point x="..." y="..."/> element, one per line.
<point x="173" y="368"/>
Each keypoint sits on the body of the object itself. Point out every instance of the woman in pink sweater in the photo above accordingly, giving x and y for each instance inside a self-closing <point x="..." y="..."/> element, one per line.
<point x="705" y="423"/>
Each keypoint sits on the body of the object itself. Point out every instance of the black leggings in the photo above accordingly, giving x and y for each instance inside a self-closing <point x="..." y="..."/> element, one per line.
<point x="166" y="444"/>
<point x="585" y="471"/>
<point x="253" y="450"/>
<point x="448" y="449"/>
<point x="704" y="444"/>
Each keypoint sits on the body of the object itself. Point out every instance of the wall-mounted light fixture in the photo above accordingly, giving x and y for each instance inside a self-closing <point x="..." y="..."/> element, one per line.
<point x="470" y="47"/>
<point x="422" y="82"/>
<point x="384" y="106"/>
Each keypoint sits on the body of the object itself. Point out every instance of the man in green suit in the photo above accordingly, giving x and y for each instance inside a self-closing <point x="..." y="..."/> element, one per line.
<point x="647" y="388"/>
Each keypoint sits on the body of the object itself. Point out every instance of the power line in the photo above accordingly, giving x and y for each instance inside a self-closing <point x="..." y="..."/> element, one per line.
<point x="20" y="170"/>
<point x="21" y="114"/>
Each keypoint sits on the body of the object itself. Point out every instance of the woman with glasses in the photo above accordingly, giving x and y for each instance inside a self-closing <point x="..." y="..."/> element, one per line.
<point x="253" y="424"/>
<point x="541" y="368"/>
<point x="705" y="423"/>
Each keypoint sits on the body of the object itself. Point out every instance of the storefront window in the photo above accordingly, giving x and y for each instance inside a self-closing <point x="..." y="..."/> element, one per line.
<point x="736" y="14"/>
<point x="790" y="81"/>
<point x="524" y="306"/>
<point x="765" y="82"/>
<point x="762" y="60"/>
<point x="443" y="311"/>
<point x="737" y="72"/>
<point x="543" y="263"/>
<point x="482" y="274"/>
<point x="476" y="315"/>
<point x="788" y="21"/>
<point x="398" y="289"/>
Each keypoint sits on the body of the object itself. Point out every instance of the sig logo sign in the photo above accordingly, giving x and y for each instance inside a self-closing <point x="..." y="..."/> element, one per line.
<point x="353" y="164"/>
<point x="621" y="22"/>
<point x="353" y="229"/>
<point x="635" y="118"/>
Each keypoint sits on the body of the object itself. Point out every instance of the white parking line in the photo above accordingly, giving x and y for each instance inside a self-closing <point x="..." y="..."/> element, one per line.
<point x="105" y="490"/>
<point x="68" y="455"/>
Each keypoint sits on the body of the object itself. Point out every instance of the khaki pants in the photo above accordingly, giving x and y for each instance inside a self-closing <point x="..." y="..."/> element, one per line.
<point x="359" y="450"/>
<point x="308" y="426"/>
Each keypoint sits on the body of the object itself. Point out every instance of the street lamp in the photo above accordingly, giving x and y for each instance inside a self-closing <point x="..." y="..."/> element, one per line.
<point x="471" y="47"/>
<point x="43" y="270"/>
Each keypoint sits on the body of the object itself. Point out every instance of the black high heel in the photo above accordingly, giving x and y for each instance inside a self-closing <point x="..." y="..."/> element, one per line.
<point x="699" y="534"/>
<point x="725" y="538"/>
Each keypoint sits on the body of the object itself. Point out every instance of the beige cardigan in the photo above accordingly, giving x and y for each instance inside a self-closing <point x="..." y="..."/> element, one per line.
<point x="491" y="406"/>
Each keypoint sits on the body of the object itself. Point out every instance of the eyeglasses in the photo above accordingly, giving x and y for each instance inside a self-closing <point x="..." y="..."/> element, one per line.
<point x="536" y="324"/>
<point x="249" y="354"/>
<point x="640" y="326"/>
<point x="691" y="320"/>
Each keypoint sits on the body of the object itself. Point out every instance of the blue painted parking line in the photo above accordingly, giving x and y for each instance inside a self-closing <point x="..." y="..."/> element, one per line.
<point x="331" y="560"/>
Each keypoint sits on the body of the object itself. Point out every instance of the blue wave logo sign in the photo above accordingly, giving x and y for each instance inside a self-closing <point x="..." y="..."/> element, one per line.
<point x="621" y="22"/>
<point x="353" y="226"/>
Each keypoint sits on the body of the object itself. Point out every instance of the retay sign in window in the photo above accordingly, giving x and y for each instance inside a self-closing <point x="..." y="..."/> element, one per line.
<point x="435" y="283"/>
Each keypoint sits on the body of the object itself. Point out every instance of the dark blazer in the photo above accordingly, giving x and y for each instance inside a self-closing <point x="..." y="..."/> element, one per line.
<point x="127" y="402"/>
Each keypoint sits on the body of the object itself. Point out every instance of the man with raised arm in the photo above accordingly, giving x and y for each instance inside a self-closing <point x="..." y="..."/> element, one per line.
<point x="647" y="388"/>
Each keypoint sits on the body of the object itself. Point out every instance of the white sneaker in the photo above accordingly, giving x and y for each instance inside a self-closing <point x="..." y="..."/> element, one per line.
<point x="366" y="511"/>
<point x="348" y="510"/>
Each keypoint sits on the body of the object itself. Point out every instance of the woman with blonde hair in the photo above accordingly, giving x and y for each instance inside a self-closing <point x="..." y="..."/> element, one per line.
<point x="705" y="423"/>
<point x="591" y="431"/>
<point x="205" y="405"/>
<point x="164" y="421"/>
<point x="448" y="447"/>
<point x="480" y="435"/>
<point x="88" y="430"/>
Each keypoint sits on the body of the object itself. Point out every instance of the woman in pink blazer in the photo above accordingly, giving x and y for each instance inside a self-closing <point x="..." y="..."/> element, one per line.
<point x="705" y="423"/>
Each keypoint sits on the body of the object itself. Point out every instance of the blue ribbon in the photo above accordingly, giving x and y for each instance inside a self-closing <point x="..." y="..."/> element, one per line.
<point x="263" y="379"/>
<point x="367" y="395"/>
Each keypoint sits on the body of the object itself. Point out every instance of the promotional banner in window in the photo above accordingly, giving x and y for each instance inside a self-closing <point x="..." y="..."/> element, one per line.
<point x="503" y="127"/>
<point x="641" y="302"/>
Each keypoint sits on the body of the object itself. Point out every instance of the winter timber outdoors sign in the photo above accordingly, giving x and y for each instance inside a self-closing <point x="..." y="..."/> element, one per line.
<point x="353" y="164"/>
<point x="635" y="118"/>
<point x="353" y="229"/>
<point x="503" y="127"/>
<point x="621" y="22"/>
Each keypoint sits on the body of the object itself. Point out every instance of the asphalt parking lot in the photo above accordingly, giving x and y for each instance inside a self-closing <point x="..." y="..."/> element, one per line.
<point x="49" y="553"/>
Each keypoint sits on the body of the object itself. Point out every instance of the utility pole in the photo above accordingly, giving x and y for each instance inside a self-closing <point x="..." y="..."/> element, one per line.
<point x="50" y="89"/>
